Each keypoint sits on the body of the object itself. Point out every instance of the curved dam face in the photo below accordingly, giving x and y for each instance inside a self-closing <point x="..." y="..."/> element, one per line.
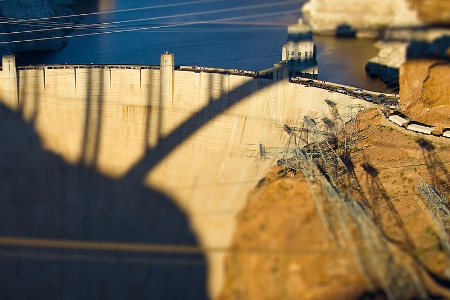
<point x="192" y="136"/>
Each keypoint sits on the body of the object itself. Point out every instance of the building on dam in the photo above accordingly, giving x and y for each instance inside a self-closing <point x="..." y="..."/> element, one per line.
<point x="299" y="52"/>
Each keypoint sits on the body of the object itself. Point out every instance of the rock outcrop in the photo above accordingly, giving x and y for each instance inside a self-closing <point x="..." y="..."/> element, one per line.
<point x="402" y="44"/>
<point x="282" y="250"/>
<point x="369" y="18"/>
<point x="388" y="61"/>
<point x="291" y="256"/>
<point x="365" y="17"/>
<point x="425" y="93"/>
<point x="397" y="22"/>
<point x="434" y="12"/>
<point x="17" y="12"/>
<point x="424" y="77"/>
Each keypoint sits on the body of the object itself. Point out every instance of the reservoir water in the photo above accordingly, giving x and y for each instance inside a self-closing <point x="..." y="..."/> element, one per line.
<point x="214" y="33"/>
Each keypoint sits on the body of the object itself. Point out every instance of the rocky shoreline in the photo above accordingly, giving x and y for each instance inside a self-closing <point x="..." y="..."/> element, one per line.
<point x="18" y="12"/>
<point x="405" y="28"/>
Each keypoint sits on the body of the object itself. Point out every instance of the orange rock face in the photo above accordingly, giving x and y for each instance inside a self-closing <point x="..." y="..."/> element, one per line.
<point x="282" y="250"/>
<point x="425" y="92"/>
<point x="435" y="12"/>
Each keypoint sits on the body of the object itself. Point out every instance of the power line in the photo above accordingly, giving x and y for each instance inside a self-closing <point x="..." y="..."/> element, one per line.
<point x="107" y="25"/>
<point x="116" y="11"/>
<point x="146" y="28"/>
<point x="142" y="247"/>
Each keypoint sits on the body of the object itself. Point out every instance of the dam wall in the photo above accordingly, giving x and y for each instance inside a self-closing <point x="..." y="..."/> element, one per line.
<point x="193" y="136"/>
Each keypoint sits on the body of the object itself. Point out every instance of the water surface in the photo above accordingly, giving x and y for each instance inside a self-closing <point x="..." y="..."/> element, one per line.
<point x="225" y="34"/>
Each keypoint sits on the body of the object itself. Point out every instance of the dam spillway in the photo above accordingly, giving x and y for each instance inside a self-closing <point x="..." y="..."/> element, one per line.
<point x="193" y="136"/>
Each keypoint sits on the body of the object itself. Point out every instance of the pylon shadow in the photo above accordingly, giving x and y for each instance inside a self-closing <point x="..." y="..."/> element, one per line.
<point x="378" y="198"/>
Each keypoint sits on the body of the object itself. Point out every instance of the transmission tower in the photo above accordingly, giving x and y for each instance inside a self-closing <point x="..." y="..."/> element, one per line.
<point x="342" y="214"/>
<point x="437" y="204"/>
<point x="351" y="127"/>
<point x="375" y="260"/>
<point x="287" y="155"/>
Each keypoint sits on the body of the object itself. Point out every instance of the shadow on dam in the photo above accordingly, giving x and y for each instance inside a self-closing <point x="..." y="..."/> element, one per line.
<point x="69" y="232"/>
<point x="214" y="107"/>
<point x="45" y="200"/>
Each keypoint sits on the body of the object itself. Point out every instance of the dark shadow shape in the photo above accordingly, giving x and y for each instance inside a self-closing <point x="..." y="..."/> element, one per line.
<point x="436" y="49"/>
<point x="330" y="103"/>
<point x="425" y="144"/>
<point x="43" y="197"/>
<point x="369" y="169"/>
<point x="330" y="126"/>
<point x="372" y="295"/>
<point x="346" y="159"/>
<point x="439" y="174"/>
<point x="378" y="196"/>
<point x="198" y="119"/>
<point x="345" y="31"/>
<point x="440" y="281"/>
<point x="400" y="114"/>
<point x="387" y="74"/>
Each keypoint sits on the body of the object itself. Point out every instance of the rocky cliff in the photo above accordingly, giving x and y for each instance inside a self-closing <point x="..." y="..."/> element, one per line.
<point x="17" y="28"/>
<point x="397" y="22"/>
<point x="368" y="18"/>
<point x="425" y="93"/>
<point x="282" y="250"/>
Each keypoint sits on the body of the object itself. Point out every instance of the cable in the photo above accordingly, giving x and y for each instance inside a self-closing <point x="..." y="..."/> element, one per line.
<point x="140" y="247"/>
<point x="106" y="25"/>
<point x="128" y="21"/>
<point x="118" y="11"/>
<point x="146" y="28"/>
<point x="159" y="248"/>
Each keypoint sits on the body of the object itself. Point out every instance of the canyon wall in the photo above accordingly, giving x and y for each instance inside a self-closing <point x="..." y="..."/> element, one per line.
<point x="368" y="18"/>
<point x="425" y="93"/>
<point x="397" y="23"/>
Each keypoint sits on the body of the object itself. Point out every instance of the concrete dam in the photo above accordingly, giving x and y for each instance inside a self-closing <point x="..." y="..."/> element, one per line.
<point x="139" y="155"/>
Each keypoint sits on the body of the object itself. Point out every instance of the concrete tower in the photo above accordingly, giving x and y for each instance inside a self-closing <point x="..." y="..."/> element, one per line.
<point x="9" y="82"/>
<point x="299" y="53"/>
<point x="167" y="70"/>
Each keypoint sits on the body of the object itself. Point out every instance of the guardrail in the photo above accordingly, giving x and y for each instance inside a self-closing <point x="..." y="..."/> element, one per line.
<point x="390" y="102"/>
<point x="239" y="72"/>
<point x="345" y="89"/>
<point x="77" y="66"/>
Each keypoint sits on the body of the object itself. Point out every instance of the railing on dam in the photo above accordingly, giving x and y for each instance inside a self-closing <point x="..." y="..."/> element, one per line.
<point x="69" y="66"/>
<point x="239" y="72"/>
<point x="197" y="69"/>
<point x="341" y="88"/>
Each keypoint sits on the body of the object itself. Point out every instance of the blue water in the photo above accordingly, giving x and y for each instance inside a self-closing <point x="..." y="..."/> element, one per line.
<point x="247" y="35"/>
